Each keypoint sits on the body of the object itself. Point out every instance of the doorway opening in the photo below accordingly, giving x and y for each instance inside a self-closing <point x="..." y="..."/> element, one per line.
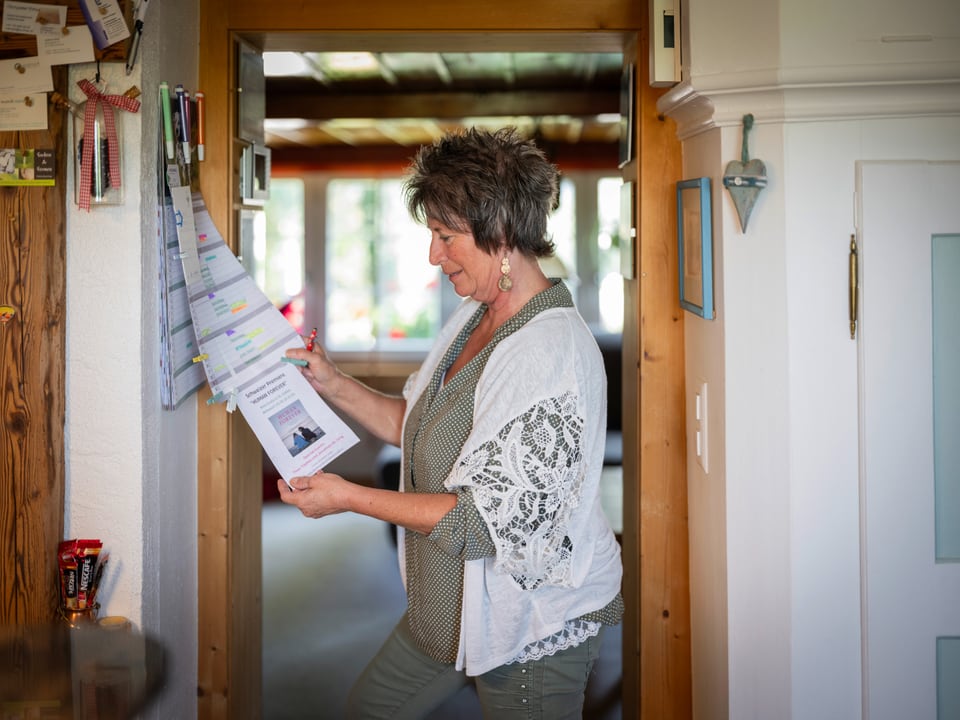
<point x="366" y="541"/>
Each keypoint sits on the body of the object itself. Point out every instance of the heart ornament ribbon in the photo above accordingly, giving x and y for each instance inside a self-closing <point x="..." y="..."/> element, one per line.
<point x="98" y="100"/>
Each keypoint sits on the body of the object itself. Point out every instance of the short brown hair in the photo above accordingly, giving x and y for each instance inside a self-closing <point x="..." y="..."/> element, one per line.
<point x="496" y="182"/>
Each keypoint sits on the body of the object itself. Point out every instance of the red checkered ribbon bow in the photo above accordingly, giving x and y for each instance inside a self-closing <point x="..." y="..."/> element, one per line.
<point x="94" y="100"/>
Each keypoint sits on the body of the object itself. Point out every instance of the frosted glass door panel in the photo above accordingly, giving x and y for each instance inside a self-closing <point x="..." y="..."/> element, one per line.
<point x="948" y="670"/>
<point x="946" y="394"/>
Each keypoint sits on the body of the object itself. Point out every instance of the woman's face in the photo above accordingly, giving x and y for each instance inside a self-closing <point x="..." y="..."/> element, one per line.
<point x="473" y="272"/>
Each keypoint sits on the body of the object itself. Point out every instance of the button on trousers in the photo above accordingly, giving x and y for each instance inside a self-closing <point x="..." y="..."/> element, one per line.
<point x="402" y="683"/>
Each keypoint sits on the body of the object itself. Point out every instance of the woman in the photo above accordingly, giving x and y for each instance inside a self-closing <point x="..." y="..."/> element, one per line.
<point x="510" y="566"/>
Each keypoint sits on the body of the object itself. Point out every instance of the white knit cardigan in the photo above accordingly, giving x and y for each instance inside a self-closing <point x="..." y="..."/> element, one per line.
<point x="538" y="580"/>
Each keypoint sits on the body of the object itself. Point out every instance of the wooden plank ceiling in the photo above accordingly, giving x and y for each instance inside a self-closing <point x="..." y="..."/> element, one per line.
<point x="331" y="100"/>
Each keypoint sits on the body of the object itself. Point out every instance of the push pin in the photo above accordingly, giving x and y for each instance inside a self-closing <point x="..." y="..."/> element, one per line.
<point x="64" y="30"/>
<point x="19" y="68"/>
<point x="28" y="101"/>
<point x="232" y="402"/>
<point x="201" y="358"/>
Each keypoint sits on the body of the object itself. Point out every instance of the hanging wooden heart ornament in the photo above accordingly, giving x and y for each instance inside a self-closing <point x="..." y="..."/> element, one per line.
<point x="745" y="178"/>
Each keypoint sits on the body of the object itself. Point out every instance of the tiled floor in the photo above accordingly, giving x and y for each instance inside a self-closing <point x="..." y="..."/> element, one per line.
<point x="331" y="595"/>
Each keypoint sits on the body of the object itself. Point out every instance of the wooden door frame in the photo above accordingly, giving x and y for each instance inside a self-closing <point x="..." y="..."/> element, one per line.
<point x="656" y="637"/>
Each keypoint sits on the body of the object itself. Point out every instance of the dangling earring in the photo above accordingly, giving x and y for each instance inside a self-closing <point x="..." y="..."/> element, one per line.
<point x="505" y="283"/>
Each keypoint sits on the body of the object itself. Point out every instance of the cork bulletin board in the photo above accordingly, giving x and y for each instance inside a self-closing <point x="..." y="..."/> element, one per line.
<point x="13" y="45"/>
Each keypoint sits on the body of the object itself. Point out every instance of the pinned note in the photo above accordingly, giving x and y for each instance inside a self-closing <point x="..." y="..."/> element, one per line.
<point x="32" y="18"/>
<point x="106" y="22"/>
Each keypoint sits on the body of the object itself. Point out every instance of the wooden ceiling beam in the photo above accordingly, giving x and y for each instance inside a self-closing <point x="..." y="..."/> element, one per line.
<point x="331" y="158"/>
<point x="321" y="106"/>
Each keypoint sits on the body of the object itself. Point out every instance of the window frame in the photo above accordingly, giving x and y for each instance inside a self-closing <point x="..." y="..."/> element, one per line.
<point x="379" y="361"/>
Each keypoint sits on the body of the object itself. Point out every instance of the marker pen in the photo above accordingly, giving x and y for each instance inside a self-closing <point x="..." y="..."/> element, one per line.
<point x="201" y="103"/>
<point x="183" y="98"/>
<point x="167" y="122"/>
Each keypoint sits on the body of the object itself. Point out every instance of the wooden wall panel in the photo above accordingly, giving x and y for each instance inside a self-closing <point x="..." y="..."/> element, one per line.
<point x="32" y="371"/>
<point x="229" y="466"/>
<point x="656" y="628"/>
<point x="663" y="573"/>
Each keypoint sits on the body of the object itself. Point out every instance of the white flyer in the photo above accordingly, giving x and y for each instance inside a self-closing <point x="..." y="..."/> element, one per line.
<point x="241" y="338"/>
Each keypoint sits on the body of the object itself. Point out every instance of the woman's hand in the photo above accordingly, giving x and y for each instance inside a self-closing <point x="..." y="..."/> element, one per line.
<point x="316" y="495"/>
<point x="380" y="413"/>
<point x="320" y="370"/>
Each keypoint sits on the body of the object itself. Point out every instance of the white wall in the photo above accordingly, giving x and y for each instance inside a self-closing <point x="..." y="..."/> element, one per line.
<point x="104" y="373"/>
<point x="131" y="467"/>
<point x="774" y="525"/>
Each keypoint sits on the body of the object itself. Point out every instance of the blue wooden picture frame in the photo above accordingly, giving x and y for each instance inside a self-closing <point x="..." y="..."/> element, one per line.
<point x="695" y="246"/>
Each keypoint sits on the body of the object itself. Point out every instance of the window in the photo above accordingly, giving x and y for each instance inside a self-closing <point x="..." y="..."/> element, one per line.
<point x="589" y="208"/>
<point x="277" y="241"/>
<point x="610" y="290"/>
<point x="344" y="253"/>
<point x="381" y="292"/>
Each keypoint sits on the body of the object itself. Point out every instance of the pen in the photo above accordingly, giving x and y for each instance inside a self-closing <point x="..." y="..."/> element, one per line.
<point x="183" y="98"/>
<point x="139" y="13"/>
<point x="201" y="102"/>
<point x="294" y="361"/>
<point x="187" y="128"/>
<point x="313" y="336"/>
<point x="134" y="46"/>
<point x="167" y="123"/>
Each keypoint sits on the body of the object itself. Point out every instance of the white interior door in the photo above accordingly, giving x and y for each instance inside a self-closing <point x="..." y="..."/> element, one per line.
<point x="909" y="220"/>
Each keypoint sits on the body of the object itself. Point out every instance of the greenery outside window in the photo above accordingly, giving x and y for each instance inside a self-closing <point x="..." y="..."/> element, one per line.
<point x="342" y="253"/>
<point x="382" y="294"/>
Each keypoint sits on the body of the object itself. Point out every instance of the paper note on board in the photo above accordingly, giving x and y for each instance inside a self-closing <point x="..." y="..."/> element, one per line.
<point x="24" y="76"/>
<point x="75" y="46"/>
<point x="27" y="112"/>
<point x="32" y="18"/>
<point x="106" y="22"/>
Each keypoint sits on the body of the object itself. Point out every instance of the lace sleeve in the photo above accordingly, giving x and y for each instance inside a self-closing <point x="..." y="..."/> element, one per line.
<point x="526" y="483"/>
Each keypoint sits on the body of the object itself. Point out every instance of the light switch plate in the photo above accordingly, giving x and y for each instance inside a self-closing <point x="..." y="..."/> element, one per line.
<point x="701" y="437"/>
